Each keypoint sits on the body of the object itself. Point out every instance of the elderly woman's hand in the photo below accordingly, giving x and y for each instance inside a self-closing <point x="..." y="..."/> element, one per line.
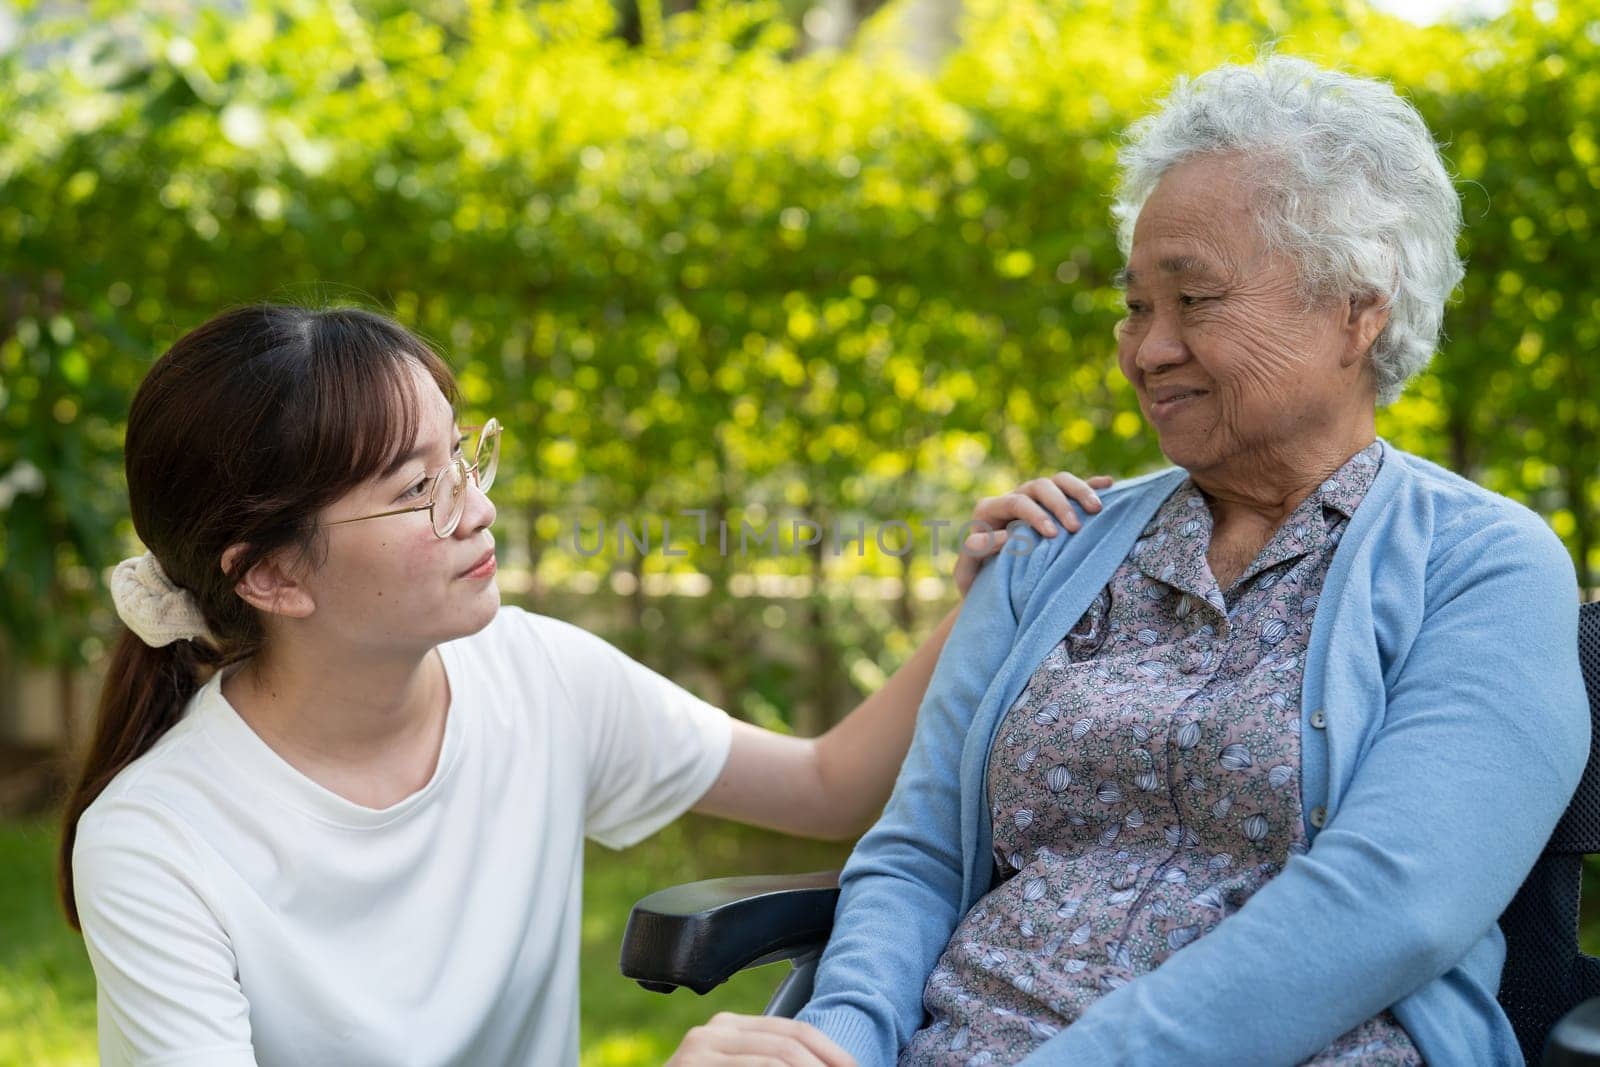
<point x="1033" y="502"/>
<point x="730" y="1039"/>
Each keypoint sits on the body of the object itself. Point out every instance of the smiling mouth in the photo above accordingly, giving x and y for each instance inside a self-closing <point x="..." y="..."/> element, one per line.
<point x="1180" y="396"/>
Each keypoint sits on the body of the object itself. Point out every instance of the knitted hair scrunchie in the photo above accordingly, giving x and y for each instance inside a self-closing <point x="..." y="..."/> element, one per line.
<point x="153" y="607"/>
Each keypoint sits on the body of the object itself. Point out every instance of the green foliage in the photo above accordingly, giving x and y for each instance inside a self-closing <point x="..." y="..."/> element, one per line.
<point x="710" y="272"/>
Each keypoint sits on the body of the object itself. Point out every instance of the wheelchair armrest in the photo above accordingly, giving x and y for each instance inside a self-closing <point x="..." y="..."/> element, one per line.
<point x="700" y="934"/>
<point x="1575" y="1040"/>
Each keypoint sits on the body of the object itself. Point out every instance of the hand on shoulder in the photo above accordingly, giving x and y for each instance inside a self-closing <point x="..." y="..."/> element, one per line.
<point x="1033" y="502"/>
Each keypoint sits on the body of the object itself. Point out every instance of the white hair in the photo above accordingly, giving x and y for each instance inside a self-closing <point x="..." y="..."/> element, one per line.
<point x="1353" y="188"/>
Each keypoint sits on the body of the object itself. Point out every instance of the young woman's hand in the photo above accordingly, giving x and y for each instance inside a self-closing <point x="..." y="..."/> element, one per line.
<point x="728" y="1040"/>
<point x="1033" y="502"/>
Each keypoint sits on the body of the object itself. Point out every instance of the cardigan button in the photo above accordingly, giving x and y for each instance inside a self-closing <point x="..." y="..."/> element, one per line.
<point x="1318" y="720"/>
<point x="1319" y="816"/>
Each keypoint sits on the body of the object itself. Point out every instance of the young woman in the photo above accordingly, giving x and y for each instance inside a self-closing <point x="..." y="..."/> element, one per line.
<point x="334" y="805"/>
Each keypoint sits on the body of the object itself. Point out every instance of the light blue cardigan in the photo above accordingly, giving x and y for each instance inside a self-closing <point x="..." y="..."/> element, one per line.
<point x="1444" y="658"/>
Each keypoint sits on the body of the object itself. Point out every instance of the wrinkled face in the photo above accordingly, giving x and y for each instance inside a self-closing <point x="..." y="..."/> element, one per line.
<point x="1229" y="366"/>
<point x="391" y="582"/>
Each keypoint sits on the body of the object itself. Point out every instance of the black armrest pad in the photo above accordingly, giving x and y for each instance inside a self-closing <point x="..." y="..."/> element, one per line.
<point x="1575" y="1040"/>
<point x="700" y="934"/>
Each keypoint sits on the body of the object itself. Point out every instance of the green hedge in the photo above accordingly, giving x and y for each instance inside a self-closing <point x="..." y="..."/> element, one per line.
<point x="713" y="272"/>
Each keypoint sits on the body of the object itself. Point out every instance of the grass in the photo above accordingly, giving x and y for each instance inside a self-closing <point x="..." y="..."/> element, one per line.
<point x="46" y="987"/>
<point x="47" y="1009"/>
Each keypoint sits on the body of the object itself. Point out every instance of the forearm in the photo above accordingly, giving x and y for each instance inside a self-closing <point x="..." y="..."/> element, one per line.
<point x="832" y="786"/>
<point x="1311" y="955"/>
<point x="835" y="785"/>
<point x="857" y="760"/>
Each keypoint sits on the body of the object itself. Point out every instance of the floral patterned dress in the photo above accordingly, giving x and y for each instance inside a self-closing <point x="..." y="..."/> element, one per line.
<point x="1146" y="783"/>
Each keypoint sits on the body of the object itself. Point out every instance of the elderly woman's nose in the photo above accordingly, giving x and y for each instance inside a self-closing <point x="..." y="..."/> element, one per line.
<point x="1160" y="347"/>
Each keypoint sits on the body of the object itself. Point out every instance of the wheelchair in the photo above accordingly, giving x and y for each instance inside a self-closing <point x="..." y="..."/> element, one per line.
<point x="699" y="935"/>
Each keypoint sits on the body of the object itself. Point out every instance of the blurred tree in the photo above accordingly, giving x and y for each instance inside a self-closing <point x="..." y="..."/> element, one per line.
<point x="709" y="270"/>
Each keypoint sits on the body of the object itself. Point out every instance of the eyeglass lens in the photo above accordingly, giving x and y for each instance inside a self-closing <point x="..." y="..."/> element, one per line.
<point x="487" y="455"/>
<point x="449" y="491"/>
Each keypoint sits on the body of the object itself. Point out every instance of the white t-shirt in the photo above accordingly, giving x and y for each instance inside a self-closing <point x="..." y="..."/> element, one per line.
<point x="238" y="913"/>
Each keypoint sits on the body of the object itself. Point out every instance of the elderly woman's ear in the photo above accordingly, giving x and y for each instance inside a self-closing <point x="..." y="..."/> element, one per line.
<point x="1368" y="315"/>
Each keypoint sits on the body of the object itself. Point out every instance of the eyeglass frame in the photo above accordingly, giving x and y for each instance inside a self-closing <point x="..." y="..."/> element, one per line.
<point x="434" y="482"/>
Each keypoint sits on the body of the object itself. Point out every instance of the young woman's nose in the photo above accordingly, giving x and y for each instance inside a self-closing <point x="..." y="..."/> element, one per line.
<point x="478" y="512"/>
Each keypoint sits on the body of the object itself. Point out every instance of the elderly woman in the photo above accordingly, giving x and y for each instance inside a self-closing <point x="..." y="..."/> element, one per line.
<point x="1245" y="770"/>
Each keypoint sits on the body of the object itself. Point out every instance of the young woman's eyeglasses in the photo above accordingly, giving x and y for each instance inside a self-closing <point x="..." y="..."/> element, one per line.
<point x="447" y="493"/>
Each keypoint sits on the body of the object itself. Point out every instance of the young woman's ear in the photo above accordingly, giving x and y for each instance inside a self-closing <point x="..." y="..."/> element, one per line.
<point x="271" y="585"/>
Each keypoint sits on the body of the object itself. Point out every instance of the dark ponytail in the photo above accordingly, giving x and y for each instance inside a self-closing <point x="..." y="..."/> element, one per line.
<point x="143" y="696"/>
<point x="242" y="433"/>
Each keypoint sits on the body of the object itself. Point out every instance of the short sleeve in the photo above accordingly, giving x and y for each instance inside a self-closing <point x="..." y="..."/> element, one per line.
<point x="652" y="748"/>
<point x="168" y="991"/>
